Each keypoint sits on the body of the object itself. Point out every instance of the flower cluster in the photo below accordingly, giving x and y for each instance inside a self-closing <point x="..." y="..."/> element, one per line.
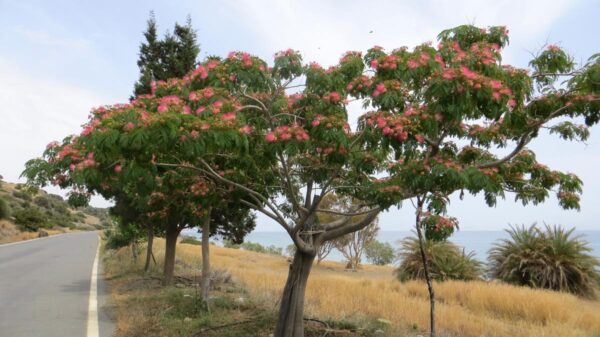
<point x="285" y="133"/>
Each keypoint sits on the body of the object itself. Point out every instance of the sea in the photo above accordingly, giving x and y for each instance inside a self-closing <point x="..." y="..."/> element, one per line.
<point x="478" y="242"/>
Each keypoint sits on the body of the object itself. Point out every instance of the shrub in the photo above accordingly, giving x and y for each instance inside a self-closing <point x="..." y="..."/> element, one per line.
<point x="121" y="235"/>
<point x="30" y="219"/>
<point x="379" y="253"/>
<point x="446" y="261"/>
<point x="191" y="240"/>
<point x="230" y="244"/>
<point x="21" y="195"/>
<point x="42" y="201"/>
<point x="257" y="247"/>
<point x="4" y="209"/>
<point x="549" y="258"/>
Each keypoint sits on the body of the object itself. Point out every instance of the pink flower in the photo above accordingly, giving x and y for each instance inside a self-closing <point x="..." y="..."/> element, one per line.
<point x="448" y="74"/>
<point x="387" y="131"/>
<point x="495" y="84"/>
<point x="270" y="137"/>
<point x="194" y="134"/>
<point x="118" y="168"/>
<point x="200" y="109"/>
<point x="374" y="64"/>
<point x="412" y="64"/>
<point x="228" y="116"/>
<point x="212" y="64"/>
<point x="316" y="122"/>
<point x="420" y="138"/>
<point x="468" y="73"/>
<point x="334" y="97"/>
<point x="246" y="129"/>
<point x="193" y="96"/>
<point x="410" y="112"/>
<point x="379" y="89"/>
<point x="208" y="92"/>
<point x="129" y="126"/>
<point x="72" y="167"/>
<point x="286" y="136"/>
<point x="205" y="126"/>
<point x="163" y="108"/>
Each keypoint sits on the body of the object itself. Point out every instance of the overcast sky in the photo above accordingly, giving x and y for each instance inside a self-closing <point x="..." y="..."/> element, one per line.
<point x="58" y="59"/>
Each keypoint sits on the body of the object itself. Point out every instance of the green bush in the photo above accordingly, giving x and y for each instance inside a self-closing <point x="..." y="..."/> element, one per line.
<point x="191" y="240"/>
<point x="257" y="247"/>
<point x="42" y="201"/>
<point x="379" y="253"/>
<point x="549" y="258"/>
<point x="21" y="195"/>
<point x="121" y="235"/>
<point x="30" y="219"/>
<point x="4" y="209"/>
<point x="230" y="244"/>
<point x="446" y="261"/>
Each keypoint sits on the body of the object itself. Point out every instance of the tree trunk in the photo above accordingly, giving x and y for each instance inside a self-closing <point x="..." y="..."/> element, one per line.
<point x="149" y="248"/>
<point x="171" y="238"/>
<point x="427" y="275"/>
<point x="291" y="310"/>
<point x="205" y="260"/>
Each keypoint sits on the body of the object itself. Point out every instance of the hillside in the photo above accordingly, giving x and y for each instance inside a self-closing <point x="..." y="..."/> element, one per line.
<point x="466" y="309"/>
<point x="24" y="212"/>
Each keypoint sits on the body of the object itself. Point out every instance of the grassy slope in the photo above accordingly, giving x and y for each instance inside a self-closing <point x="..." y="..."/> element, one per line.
<point x="10" y="232"/>
<point x="465" y="308"/>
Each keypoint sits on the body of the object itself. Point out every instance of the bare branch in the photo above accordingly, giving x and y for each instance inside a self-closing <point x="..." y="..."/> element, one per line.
<point x="349" y="228"/>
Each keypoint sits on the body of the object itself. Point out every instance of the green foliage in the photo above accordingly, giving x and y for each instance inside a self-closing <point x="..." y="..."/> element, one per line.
<point x="191" y="240"/>
<point x="379" y="253"/>
<point x="4" y="209"/>
<point x="30" y="219"/>
<point x="437" y="227"/>
<point x="446" y="261"/>
<point x="549" y="258"/>
<point x="230" y="244"/>
<point x="22" y="195"/>
<point x="171" y="57"/>
<point x="121" y="235"/>
<point x="257" y="247"/>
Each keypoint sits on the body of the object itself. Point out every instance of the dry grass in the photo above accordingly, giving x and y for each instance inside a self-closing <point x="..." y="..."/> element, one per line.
<point x="10" y="233"/>
<point x="465" y="308"/>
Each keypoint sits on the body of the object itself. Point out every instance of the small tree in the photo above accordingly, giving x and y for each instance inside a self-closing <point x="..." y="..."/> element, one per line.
<point x="173" y="56"/>
<point x="379" y="253"/>
<point x="353" y="245"/>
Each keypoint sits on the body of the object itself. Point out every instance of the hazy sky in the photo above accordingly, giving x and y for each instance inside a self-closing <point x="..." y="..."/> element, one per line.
<point x="58" y="59"/>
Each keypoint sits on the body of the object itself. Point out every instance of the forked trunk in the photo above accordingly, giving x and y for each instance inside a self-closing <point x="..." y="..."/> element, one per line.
<point x="149" y="248"/>
<point x="205" y="260"/>
<point x="171" y="238"/>
<point x="291" y="311"/>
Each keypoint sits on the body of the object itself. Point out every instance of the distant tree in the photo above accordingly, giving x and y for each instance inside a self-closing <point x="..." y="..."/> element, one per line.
<point x="352" y="245"/>
<point x="324" y="250"/>
<point x="173" y="56"/>
<point x="379" y="253"/>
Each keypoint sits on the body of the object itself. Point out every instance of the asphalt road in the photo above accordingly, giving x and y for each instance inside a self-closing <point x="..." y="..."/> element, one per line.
<point x="45" y="288"/>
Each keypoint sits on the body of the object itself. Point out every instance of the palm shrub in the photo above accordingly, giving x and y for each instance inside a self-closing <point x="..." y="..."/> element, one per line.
<point x="549" y="258"/>
<point x="446" y="261"/>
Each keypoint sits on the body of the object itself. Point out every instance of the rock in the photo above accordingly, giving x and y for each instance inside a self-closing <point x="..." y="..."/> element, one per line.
<point x="42" y="233"/>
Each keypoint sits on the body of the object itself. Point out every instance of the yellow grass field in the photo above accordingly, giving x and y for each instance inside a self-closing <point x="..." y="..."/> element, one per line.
<point x="464" y="308"/>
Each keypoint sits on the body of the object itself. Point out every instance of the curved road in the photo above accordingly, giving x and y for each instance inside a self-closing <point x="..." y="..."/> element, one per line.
<point x="45" y="288"/>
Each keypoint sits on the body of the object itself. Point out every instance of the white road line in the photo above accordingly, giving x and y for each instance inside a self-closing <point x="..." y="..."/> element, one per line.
<point x="92" y="321"/>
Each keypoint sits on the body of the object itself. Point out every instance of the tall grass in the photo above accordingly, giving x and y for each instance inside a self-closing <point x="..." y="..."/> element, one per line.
<point x="474" y="308"/>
